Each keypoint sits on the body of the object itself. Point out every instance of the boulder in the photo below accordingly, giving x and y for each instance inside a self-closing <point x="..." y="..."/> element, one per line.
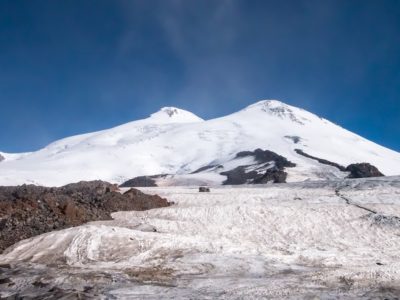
<point x="363" y="170"/>
<point x="204" y="189"/>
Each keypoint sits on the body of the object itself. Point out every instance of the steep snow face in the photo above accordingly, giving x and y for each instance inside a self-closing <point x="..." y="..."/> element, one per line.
<point x="174" y="141"/>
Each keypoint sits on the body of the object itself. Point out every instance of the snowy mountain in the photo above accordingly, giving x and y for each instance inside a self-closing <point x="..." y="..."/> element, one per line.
<point x="194" y="151"/>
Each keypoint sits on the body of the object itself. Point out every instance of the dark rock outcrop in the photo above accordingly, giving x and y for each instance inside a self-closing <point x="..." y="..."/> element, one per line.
<point x="1" y="158"/>
<point x="264" y="156"/>
<point x="204" y="189"/>
<point x="275" y="172"/>
<point x="238" y="175"/>
<point x="207" y="168"/>
<point x="29" y="210"/>
<point x="140" y="181"/>
<point x="321" y="160"/>
<point x="294" y="138"/>
<point x="363" y="170"/>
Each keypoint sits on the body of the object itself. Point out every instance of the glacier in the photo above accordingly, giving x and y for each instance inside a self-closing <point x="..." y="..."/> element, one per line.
<point x="293" y="241"/>
<point x="176" y="142"/>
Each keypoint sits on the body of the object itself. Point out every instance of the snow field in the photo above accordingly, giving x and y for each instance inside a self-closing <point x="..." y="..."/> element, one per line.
<point x="289" y="240"/>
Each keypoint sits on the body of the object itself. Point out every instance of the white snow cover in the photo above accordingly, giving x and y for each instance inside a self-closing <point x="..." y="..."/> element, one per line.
<point x="12" y="156"/>
<point x="297" y="241"/>
<point x="174" y="141"/>
<point x="173" y="115"/>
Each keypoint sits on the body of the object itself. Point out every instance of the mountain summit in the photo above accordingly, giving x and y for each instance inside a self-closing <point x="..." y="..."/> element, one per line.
<point x="266" y="141"/>
<point x="174" y="115"/>
<point x="281" y="110"/>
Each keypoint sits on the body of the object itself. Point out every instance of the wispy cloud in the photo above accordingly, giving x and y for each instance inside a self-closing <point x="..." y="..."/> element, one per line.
<point x="201" y="36"/>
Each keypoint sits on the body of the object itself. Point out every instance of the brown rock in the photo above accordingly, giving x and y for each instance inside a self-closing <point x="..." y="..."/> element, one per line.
<point x="29" y="210"/>
<point x="363" y="170"/>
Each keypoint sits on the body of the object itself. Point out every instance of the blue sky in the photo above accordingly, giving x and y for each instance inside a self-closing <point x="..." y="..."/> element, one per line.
<point x="69" y="67"/>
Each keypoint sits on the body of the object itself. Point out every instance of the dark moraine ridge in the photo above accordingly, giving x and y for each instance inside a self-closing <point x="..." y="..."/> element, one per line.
<point x="206" y="168"/>
<point x="358" y="170"/>
<point x="264" y="156"/>
<point x="321" y="160"/>
<point x="29" y="210"/>
<point x="140" y="181"/>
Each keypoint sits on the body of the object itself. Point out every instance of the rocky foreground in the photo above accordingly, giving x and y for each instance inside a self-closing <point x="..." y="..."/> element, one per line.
<point x="29" y="210"/>
<point x="306" y="240"/>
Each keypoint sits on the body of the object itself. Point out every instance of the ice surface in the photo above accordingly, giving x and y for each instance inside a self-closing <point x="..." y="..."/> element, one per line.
<point x="298" y="240"/>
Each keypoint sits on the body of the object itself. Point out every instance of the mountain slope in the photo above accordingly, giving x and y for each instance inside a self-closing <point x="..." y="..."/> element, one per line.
<point x="174" y="141"/>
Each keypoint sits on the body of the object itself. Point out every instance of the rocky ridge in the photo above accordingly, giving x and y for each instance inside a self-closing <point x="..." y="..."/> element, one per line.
<point x="262" y="166"/>
<point x="273" y="164"/>
<point x="29" y="210"/>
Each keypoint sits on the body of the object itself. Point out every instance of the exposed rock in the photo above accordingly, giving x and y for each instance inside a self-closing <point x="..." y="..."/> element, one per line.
<point x="363" y="170"/>
<point x="140" y="181"/>
<point x="360" y="170"/>
<point x="275" y="175"/>
<point x="205" y="168"/>
<point x="383" y="220"/>
<point x="281" y="110"/>
<point x="275" y="172"/>
<point x="263" y="156"/>
<point x="170" y="111"/>
<point x="204" y="189"/>
<point x="294" y="138"/>
<point x="238" y="175"/>
<point x="1" y="158"/>
<point x="321" y="160"/>
<point x="29" y="210"/>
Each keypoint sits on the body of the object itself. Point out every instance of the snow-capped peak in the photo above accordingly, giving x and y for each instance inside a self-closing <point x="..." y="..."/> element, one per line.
<point x="174" y="115"/>
<point x="267" y="103"/>
<point x="281" y="110"/>
<point x="177" y="142"/>
<point x="273" y="106"/>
